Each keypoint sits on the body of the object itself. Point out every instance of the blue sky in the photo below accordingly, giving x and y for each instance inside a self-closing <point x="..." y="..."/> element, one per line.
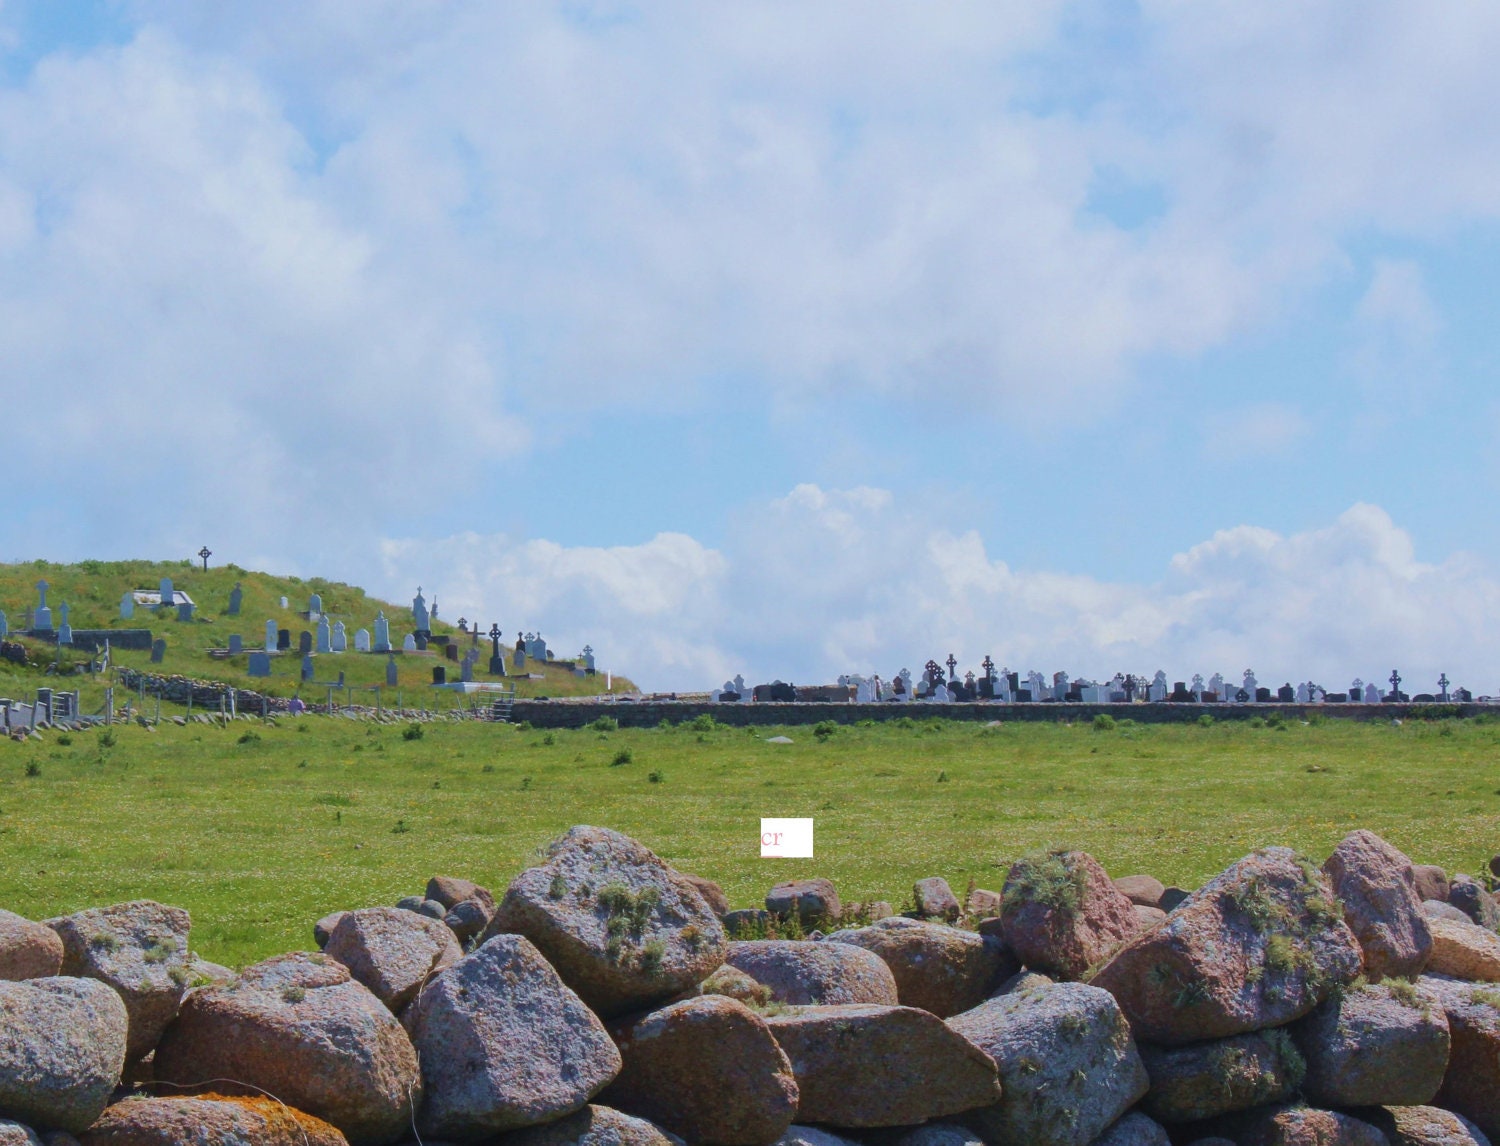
<point x="772" y="340"/>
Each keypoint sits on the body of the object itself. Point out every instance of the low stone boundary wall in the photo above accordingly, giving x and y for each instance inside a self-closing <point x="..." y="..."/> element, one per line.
<point x="648" y="714"/>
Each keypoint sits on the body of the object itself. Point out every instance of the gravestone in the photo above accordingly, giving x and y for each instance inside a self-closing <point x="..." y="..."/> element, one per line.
<point x="315" y="606"/>
<point x="158" y="650"/>
<point x="41" y="620"/>
<point x="1372" y="694"/>
<point x="439" y="674"/>
<point x="185" y="611"/>
<point x="1286" y="694"/>
<point x="450" y="651"/>
<point x="382" y="633"/>
<point x="304" y="642"/>
<point x="864" y="691"/>
<point x="1304" y="694"/>
<point x="497" y="664"/>
<point x="940" y="694"/>
<point x="325" y="635"/>
<point x="283" y="602"/>
<point x="421" y="642"/>
<point x="4" y="625"/>
<point x="260" y="664"/>
<point x="536" y="648"/>
<point x="236" y="599"/>
<point x="466" y="671"/>
<point x="392" y="675"/>
<point x="307" y="666"/>
<point x="1158" y="689"/>
<point x="167" y="593"/>
<point x="283" y="640"/>
<point x="340" y="641"/>
<point x="236" y="644"/>
<point x="588" y="658"/>
<point x="419" y="614"/>
<point x="270" y="635"/>
<point x="1216" y="685"/>
<point x="1180" y="694"/>
<point x="1059" y="686"/>
<point x="1197" y="688"/>
<point x="127" y="605"/>
<point x="64" y="629"/>
<point x="1357" y="690"/>
<point x="1249" y="686"/>
<point x="1262" y="696"/>
<point x="361" y="640"/>
<point x="520" y="658"/>
<point x="408" y="643"/>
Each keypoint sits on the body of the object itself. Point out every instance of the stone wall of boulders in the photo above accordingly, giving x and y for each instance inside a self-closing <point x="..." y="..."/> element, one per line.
<point x="648" y="714"/>
<point x="608" y="999"/>
<point x="204" y="693"/>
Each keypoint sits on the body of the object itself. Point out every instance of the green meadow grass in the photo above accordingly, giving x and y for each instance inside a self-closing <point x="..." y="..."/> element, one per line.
<point x="260" y="829"/>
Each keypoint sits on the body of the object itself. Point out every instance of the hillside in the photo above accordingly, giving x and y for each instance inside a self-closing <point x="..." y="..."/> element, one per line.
<point x="92" y="590"/>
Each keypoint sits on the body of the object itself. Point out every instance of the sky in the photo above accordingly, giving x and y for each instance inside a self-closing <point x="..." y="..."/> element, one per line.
<point x="778" y="339"/>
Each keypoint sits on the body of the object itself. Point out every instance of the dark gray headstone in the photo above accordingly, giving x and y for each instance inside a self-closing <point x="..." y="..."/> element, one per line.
<point x="185" y="612"/>
<point x="158" y="650"/>
<point x="236" y="644"/>
<point x="497" y="665"/>
<point x="391" y="678"/>
<point x="236" y="598"/>
<point x="283" y="639"/>
<point x="260" y="664"/>
<point x="304" y="642"/>
<point x="421" y="641"/>
<point x="450" y="650"/>
<point x="307" y="666"/>
<point x="439" y="674"/>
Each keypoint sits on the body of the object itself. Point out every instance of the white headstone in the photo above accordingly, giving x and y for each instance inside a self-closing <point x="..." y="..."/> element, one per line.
<point x="588" y="658"/>
<point x="361" y="640"/>
<point x="1303" y="695"/>
<point x="419" y="614"/>
<point x="1372" y="694"/>
<point x="283" y="602"/>
<point x="1158" y="689"/>
<point x="315" y="605"/>
<point x="1216" y="685"/>
<point x="340" y="641"/>
<point x="325" y="635"/>
<point x="4" y="625"/>
<point x="270" y="636"/>
<point x="864" y="691"/>
<point x="941" y="695"/>
<point x="64" y="630"/>
<point x="408" y="644"/>
<point x="1250" y="685"/>
<point x="382" y="633"/>
<point x="127" y="605"/>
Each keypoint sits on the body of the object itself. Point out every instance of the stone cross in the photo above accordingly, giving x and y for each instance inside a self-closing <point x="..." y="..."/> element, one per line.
<point x="494" y="635"/>
<point x="1443" y="685"/>
<point x="988" y="665"/>
<point x="205" y="553"/>
<point x="1395" y="685"/>
<point x="952" y="664"/>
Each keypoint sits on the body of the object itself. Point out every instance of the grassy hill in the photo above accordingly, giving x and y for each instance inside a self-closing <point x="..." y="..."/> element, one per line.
<point x="92" y="590"/>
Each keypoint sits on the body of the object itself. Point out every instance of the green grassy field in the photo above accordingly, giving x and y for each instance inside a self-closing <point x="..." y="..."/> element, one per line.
<point x="260" y="829"/>
<point x="92" y="589"/>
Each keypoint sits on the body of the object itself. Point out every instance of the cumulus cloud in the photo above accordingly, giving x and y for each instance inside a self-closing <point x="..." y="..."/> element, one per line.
<point x="824" y="582"/>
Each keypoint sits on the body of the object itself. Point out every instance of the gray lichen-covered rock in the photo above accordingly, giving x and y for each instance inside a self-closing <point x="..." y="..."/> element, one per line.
<point x="141" y="950"/>
<point x="707" y="1069"/>
<point x="881" y="1066"/>
<point x="1471" y="1086"/>
<point x="392" y="952"/>
<point x="1259" y="945"/>
<point x="62" y="1050"/>
<point x="28" y="950"/>
<point x="732" y="983"/>
<point x="1135" y="1129"/>
<point x="1296" y="1125"/>
<point x="1381" y="1044"/>
<point x="1205" y="1080"/>
<point x="1062" y="913"/>
<point x="14" y="1134"/>
<point x="594" y="1126"/>
<point x="1378" y="889"/>
<point x="218" y="1121"/>
<point x="468" y="919"/>
<point x="323" y="928"/>
<point x="1464" y="951"/>
<point x="504" y="1043"/>
<point x="1067" y="1063"/>
<point x="941" y="969"/>
<point x="1437" y="909"/>
<point x="1432" y="881"/>
<point x="1478" y="904"/>
<point x="299" y="1027"/>
<point x="1423" y="1126"/>
<point x="815" y="973"/>
<point x="621" y="927"/>
<point x="814" y="900"/>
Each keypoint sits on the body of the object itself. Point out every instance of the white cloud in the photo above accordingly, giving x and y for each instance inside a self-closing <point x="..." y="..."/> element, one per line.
<point x="824" y="582"/>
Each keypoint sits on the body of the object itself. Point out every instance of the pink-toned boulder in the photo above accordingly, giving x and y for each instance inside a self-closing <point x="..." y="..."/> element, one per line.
<point x="881" y="1066"/>
<point x="1423" y="1126"/>
<point x="62" y="1049"/>
<point x="712" y="894"/>
<point x="707" y="1069"/>
<point x="1378" y="889"/>
<point x="450" y="891"/>
<point x="28" y="950"/>
<point x="299" y="1027"/>
<point x="1471" y="1086"/>
<point x="814" y="900"/>
<point x="1209" y="1079"/>
<point x="1142" y="890"/>
<point x="1297" y="1126"/>
<point x="392" y="952"/>
<point x="803" y="973"/>
<point x="1062" y="914"/>
<point x="594" y="1126"/>
<point x="212" y="1119"/>
<point x="1474" y="901"/>
<point x="940" y="969"/>
<point x="935" y="899"/>
<point x="982" y="904"/>
<point x="1259" y="945"/>
<point x="1146" y="917"/>
<point x="1464" y="951"/>
<point x="1431" y="880"/>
